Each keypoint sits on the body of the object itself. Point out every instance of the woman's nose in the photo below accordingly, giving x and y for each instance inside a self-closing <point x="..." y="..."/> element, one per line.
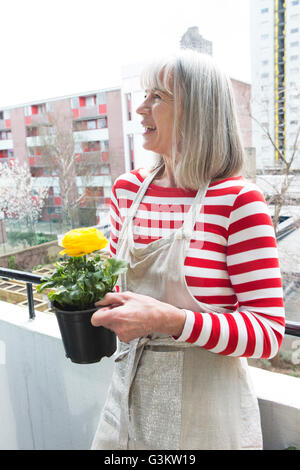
<point x="142" y="108"/>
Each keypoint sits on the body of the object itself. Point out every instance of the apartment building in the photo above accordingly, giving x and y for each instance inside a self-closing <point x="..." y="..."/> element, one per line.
<point x="91" y="131"/>
<point x="275" y="79"/>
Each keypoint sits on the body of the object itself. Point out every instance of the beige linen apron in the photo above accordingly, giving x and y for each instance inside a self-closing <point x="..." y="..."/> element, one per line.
<point x="166" y="394"/>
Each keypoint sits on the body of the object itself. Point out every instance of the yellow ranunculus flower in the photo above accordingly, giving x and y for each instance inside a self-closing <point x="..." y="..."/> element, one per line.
<point x="81" y="241"/>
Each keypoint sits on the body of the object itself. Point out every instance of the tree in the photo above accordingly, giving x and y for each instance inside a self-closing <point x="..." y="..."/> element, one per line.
<point x="58" y="152"/>
<point x="277" y="189"/>
<point x="19" y="199"/>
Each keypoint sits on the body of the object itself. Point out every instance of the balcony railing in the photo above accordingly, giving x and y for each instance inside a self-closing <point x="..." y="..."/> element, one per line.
<point x="291" y="328"/>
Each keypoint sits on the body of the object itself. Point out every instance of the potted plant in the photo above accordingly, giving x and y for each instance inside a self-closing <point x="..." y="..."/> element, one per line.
<point x="76" y="284"/>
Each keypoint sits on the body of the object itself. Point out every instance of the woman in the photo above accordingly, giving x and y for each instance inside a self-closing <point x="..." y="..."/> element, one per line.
<point x="203" y="287"/>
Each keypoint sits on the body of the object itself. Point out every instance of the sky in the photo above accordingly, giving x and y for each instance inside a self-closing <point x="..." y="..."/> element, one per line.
<point x="55" y="48"/>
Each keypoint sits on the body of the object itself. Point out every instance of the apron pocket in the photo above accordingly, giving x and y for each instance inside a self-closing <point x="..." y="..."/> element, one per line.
<point x="155" y="401"/>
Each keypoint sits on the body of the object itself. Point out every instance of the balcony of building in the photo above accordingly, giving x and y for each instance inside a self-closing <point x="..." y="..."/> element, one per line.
<point x="49" y="403"/>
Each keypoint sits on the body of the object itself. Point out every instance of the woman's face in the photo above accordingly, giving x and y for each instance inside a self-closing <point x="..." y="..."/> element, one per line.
<point x="157" y="111"/>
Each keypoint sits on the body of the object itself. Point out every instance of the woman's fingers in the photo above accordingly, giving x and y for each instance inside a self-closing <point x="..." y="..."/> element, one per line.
<point x="102" y="317"/>
<point x="110" y="298"/>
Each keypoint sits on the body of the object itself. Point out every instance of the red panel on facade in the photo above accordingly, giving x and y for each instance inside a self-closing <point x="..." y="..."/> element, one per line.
<point x="31" y="161"/>
<point x="75" y="113"/>
<point x="107" y="201"/>
<point x="34" y="109"/>
<point x="28" y="119"/>
<point x="102" y="108"/>
<point x="105" y="156"/>
<point x="57" y="201"/>
<point x="7" y="123"/>
<point x="81" y="101"/>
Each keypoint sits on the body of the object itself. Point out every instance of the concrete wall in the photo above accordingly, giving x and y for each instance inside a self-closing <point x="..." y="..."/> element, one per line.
<point x="47" y="402"/>
<point x="33" y="256"/>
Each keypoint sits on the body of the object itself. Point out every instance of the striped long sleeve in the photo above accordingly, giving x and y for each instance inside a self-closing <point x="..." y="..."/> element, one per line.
<point x="256" y="328"/>
<point x="236" y="268"/>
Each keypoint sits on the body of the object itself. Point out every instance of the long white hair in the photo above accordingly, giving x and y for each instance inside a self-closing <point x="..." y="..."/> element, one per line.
<point x="207" y="141"/>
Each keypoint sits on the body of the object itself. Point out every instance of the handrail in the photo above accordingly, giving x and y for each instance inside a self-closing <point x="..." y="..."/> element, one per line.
<point x="291" y="328"/>
<point x="29" y="278"/>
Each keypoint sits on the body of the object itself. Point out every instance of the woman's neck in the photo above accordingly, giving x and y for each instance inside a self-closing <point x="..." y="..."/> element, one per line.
<point x="164" y="178"/>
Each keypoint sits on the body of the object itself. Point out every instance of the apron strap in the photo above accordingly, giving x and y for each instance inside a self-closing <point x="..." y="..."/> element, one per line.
<point x="135" y="204"/>
<point x="195" y="209"/>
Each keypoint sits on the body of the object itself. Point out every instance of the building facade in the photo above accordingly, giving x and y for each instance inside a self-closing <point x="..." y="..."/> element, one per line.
<point x="275" y="104"/>
<point x="90" y="131"/>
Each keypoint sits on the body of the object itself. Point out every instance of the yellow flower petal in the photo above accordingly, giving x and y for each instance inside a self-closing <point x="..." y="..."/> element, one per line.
<point x="83" y="241"/>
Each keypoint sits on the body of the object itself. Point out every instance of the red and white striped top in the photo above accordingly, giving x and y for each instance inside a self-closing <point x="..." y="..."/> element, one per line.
<point x="236" y="267"/>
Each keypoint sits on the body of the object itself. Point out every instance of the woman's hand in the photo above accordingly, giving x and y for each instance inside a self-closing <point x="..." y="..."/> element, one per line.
<point x="132" y="315"/>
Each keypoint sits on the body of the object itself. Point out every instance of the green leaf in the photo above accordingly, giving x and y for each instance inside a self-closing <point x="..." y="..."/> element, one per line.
<point x="116" y="266"/>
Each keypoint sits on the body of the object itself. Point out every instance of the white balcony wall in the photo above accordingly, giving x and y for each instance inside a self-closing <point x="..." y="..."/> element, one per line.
<point x="91" y="135"/>
<point x="101" y="180"/>
<point x="43" y="181"/>
<point x="39" y="141"/>
<point x="6" y="144"/>
<point x="47" y="402"/>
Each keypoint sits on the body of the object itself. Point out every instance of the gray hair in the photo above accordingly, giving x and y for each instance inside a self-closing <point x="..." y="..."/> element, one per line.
<point x="207" y="143"/>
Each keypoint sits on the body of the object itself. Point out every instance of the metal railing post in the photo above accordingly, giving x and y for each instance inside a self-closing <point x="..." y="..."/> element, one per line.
<point x="30" y="300"/>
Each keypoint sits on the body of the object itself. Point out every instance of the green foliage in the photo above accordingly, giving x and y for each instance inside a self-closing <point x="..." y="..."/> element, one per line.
<point x="38" y="266"/>
<point x="79" y="282"/>
<point x="30" y="238"/>
<point x="11" y="264"/>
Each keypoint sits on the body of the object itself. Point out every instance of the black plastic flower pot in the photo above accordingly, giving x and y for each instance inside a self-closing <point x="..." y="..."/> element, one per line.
<point x="83" y="342"/>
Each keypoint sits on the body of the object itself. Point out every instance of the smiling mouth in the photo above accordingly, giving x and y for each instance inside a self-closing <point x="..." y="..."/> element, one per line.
<point x="149" y="129"/>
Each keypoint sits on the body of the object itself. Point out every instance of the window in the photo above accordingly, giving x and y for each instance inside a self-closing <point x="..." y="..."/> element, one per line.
<point x="265" y="62"/>
<point x="75" y="102"/>
<point x="131" y="150"/>
<point x="294" y="44"/>
<point x="1" y="114"/>
<point x="263" y="37"/>
<point x="294" y="30"/>
<point x="104" y="146"/>
<point x="295" y="2"/>
<point x="264" y="75"/>
<point x="90" y="101"/>
<point x="27" y="110"/>
<point x="101" y="123"/>
<point x="101" y="98"/>
<point x="128" y="99"/>
<point x="264" y="10"/>
<point x="92" y="124"/>
<point x="77" y="147"/>
<point x="294" y="57"/>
